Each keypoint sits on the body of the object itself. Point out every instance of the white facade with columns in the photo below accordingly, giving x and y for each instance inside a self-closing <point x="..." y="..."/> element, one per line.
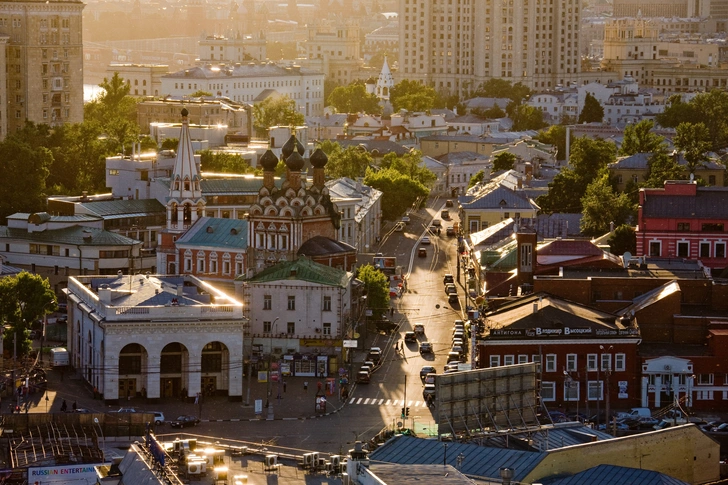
<point x="154" y="336"/>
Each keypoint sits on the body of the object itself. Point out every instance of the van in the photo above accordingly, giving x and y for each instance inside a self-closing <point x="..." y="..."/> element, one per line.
<point x="636" y="413"/>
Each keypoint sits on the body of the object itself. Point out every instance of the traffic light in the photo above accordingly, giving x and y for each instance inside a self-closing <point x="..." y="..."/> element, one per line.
<point x="403" y="412"/>
<point x="406" y="412"/>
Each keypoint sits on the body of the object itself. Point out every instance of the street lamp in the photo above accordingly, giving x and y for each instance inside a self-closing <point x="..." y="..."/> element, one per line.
<point x="608" y="371"/>
<point x="570" y="384"/>
<point x="273" y="327"/>
<point x="103" y="441"/>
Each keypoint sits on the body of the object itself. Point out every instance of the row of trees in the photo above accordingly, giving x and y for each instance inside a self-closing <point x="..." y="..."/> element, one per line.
<point x="24" y="299"/>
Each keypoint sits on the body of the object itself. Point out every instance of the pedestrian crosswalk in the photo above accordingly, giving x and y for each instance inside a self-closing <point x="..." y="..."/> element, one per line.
<point x="368" y="401"/>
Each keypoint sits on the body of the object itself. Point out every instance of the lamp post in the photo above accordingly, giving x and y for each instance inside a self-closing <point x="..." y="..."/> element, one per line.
<point x="608" y="371"/>
<point x="570" y="384"/>
<point x="273" y="326"/>
<point x="103" y="441"/>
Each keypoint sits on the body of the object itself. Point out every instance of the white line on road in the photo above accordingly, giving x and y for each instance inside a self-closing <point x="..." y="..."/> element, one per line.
<point x="359" y="401"/>
<point x="366" y="401"/>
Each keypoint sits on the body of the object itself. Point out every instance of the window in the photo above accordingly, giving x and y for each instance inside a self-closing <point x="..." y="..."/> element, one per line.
<point x="213" y="266"/>
<point x="720" y="250"/>
<point x="267" y="327"/>
<point x="712" y="227"/>
<point x="536" y="358"/>
<point x="327" y="328"/>
<point x="548" y="391"/>
<point x="704" y="249"/>
<point x="291" y="328"/>
<point x="655" y="249"/>
<point x="595" y="390"/>
<point x="291" y="302"/>
<point x="620" y="362"/>
<point x="267" y="302"/>
<point x="606" y="361"/>
<point x="522" y="359"/>
<point x="683" y="249"/>
<point x="571" y="390"/>
<point x="200" y="265"/>
<point x="508" y="360"/>
<point x="495" y="360"/>
<point x="327" y="303"/>
<point x="591" y="362"/>
<point x="188" y="265"/>
<point x="550" y="362"/>
<point x="683" y="226"/>
<point x="571" y="362"/>
<point x="705" y="379"/>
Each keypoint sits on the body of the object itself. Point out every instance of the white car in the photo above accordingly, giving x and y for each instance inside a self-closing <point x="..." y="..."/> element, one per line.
<point x="158" y="417"/>
<point x="425" y="240"/>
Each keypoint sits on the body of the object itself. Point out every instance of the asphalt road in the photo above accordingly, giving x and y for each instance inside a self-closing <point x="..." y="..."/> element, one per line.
<point x="396" y="383"/>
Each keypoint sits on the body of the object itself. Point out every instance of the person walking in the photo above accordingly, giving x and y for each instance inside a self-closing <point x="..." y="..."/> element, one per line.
<point x="74" y="406"/>
<point x="64" y="406"/>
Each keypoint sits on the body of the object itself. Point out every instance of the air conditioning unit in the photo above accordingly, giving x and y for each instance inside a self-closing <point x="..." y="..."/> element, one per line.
<point x="668" y="367"/>
<point x="307" y="459"/>
<point x="196" y="468"/>
<point x="335" y="461"/>
<point x="271" y="461"/>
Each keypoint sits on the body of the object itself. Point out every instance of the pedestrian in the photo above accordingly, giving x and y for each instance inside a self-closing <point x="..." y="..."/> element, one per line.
<point x="284" y="386"/>
<point x="197" y="398"/>
<point x="305" y="386"/>
<point x="391" y="311"/>
<point x="64" y="406"/>
<point x="396" y="346"/>
<point x="96" y="393"/>
<point x="74" y="406"/>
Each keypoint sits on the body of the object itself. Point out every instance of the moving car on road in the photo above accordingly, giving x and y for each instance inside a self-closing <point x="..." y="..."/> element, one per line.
<point x="426" y="240"/>
<point x="422" y="252"/>
<point x="425" y="348"/>
<point x="426" y="369"/>
<point x="410" y="337"/>
<point x="184" y="421"/>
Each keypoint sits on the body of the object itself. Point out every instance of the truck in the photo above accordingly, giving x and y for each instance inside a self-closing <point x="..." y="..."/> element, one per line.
<point x="59" y="357"/>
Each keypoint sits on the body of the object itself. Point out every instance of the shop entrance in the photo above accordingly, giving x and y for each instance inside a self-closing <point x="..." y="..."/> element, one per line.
<point x="127" y="388"/>
<point x="171" y="386"/>
<point x="209" y="385"/>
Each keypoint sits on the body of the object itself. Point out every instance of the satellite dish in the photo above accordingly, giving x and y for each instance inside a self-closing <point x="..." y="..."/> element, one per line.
<point x="626" y="257"/>
<point x="356" y="335"/>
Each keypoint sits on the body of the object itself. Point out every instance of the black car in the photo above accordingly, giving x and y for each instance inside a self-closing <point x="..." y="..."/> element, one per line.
<point x="427" y="369"/>
<point x="410" y="337"/>
<point x="184" y="421"/>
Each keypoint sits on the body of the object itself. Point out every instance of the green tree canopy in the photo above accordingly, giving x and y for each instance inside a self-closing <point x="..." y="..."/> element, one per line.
<point x="710" y="108"/>
<point x="490" y="114"/>
<point x="639" y="138"/>
<point x="501" y="88"/>
<point x="526" y="118"/>
<point x="592" y="110"/>
<point x="504" y="161"/>
<point x="662" y="166"/>
<point x="351" y="162"/>
<point x="376" y="285"/>
<point x="275" y="111"/>
<point x="221" y="162"/>
<point x="555" y="135"/>
<point x="623" y="239"/>
<point x="25" y="170"/>
<point x="200" y="93"/>
<point x="399" y="191"/>
<point x="170" y="143"/>
<point x="409" y="164"/>
<point x="602" y="206"/>
<point x="476" y="179"/>
<point x="693" y="140"/>
<point x="354" y="99"/>
<point x="412" y="96"/>
<point x="24" y="299"/>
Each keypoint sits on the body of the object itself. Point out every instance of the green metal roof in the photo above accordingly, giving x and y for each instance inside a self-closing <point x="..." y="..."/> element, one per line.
<point x="74" y="235"/>
<point x="216" y="232"/>
<point x="303" y="269"/>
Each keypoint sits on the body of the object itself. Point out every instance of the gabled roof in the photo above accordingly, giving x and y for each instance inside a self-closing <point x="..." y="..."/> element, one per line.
<point x="653" y="296"/>
<point x="640" y="161"/>
<point x="498" y="197"/>
<point x="321" y="246"/>
<point x="303" y="269"/>
<point x="492" y="234"/>
<point x="569" y="247"/>
<point x="611" y="474"/>
<point x="73" y="235"/>
<point x="107" y="208"/>
<point x="216" y="232"/>
<point x="457" y="158"/>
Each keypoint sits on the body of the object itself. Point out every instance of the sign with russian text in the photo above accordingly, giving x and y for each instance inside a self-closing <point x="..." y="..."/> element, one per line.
<point x="62" y="474"/>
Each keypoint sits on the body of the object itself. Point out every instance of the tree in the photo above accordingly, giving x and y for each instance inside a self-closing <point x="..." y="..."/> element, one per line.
<point x="623" y="239"/>
<point x="588" y="157"/>
<point x="113" y="103"/>
<point x="408" y="94"/>
<point x="24" y="299"/>
<point x="354" y="99"/>
<point x="693" y="139"/>
<point x="275" y="111"/>
<point x="526" y="118"/>
<point x="602" y="206"/>
<point x="23" y="184"/>
<point x="200" y="93"/>
<point x="639" y="138"/>
<point x="220" y="162"/>
<point x="710" y="109"/>
<point x="399" y="191"/>
<point x="170" y="143"/>
<point x="501" y="88"/>
<point x="592" y="110"/>
<point x="662" y="166"/>
<point x="476" y="179"/>
<point x="350" y="162"/>
<point x="376" y="285"/>
<point x="409" y="164"/>
<point x="555" y="135"/>
<point x="491" y="113"/>
<point x="504" y="161"/>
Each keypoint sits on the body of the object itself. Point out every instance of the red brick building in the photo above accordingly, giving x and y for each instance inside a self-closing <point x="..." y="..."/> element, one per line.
<point x="683" y="220"/>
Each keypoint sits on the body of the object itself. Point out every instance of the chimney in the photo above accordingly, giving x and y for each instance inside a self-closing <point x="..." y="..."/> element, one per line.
<point x="105" y="294"/>
<point x="181" y="289"/>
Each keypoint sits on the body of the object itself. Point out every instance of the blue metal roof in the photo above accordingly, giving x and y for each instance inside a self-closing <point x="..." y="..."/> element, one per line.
<point x="611" y="474"/>
<point x="479" y="461"/>
<point x="216" y="232"/>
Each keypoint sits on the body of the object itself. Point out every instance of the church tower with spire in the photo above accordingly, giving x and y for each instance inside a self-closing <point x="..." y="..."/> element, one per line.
<point x="185" y="202"/>
<point x="384" y="86"/>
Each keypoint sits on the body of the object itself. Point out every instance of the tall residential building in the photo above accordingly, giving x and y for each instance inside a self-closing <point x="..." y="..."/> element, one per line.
<point x="456" y="45"/>
<point x="666" y="8"/>
<point x="44" y="63"/>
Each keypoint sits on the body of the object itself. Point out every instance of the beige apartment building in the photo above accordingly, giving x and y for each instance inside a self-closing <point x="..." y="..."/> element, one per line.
<point x="334" y="48"/>
<point x="143" y="79"/>
<point x="455" y="46"/>
<point x="43" y="62"/>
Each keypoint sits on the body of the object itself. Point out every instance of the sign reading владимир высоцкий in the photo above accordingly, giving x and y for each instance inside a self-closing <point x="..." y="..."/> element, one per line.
<point x="62" y="474"/>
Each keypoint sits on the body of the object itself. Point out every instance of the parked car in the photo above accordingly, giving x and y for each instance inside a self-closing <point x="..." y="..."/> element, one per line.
<point x="426" y="369"/>
<point x="445" y="214"/>
<point x="453" y="357"/>
<point x="184" y="421"/>
<point x="406" y="219"/>
<point x="448" y="203"/>
<point x="450" y="231"/>
<point x="429" y="390"/>
<point x="430" y="379"/>
<point x="450" y="366"/>
<point x="362" y="377"/>
<point x="448" y="279"/>
<point x="158" y="417"/>
<point x="368" y="366"/>
<point x="425" y="240"/>
<point x="82" y="411"/>
<point x="410" y="336"/>
<point x="419" y="328"/>
<point x="126" y="410"/>
<point x="453" y="299"/>
<point x="374" y="354"/>
<point x="450" y="289"/>
<point x="422" y="252"/>
<point x="437" y="222"/>
<point x="425" y="348"/>
<point x="35" y="334"/>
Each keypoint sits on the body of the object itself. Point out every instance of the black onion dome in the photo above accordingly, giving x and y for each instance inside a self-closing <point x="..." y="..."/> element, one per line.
<point x="268" y="161"/>
<point x="319" y="158"/>
<point x="299" y="147"/>
<point x="185" y="112"/>
<point x="289" y="147"/>
<point x="295" y="162"/>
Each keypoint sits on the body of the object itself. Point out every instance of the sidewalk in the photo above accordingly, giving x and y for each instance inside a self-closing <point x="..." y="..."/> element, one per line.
<point x="295" y="402"/>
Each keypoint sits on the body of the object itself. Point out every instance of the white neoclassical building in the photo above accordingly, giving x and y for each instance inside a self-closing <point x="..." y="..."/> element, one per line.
<point x="157" y="336"/>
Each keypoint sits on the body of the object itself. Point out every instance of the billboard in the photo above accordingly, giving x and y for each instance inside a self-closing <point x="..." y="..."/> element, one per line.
<point x="62" y="474"/>
<point x="491" y="399"/>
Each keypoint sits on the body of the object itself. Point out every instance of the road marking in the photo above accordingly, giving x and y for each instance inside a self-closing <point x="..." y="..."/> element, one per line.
<point x="410" y="403"/>
<point x="418" y="403"/>
<point x="352" y="400"/>
<point x="374" y="401"/>
<point x="366" y="401"/>
<point x="381" y="401"/>
<point x="389" y="401"/>
<point x="359" y="401"/>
